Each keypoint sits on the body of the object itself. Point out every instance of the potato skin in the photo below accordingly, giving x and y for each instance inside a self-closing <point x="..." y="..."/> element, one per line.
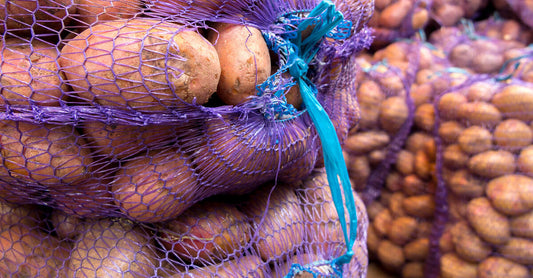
<point x="92" y="11"/>
<point x="244" y="59"/>
<point x="30" y="77"/>
<point x="208" y="231"/>
<point x="156" y="187"/>
<point x="247" y="266"/>
<point x="165" y="79"/>
<point x="112" y="248"/>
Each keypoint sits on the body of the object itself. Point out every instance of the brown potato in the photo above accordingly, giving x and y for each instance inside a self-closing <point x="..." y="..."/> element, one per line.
<point x="112" y="248"/>
<point x="28" y="252"/>
<point x="511" y="194"/>
<point x="390" y="255"/>
<point x="525" y="161"/>
<point x="425" y="117"/>
<point x="475" y="139"/>
<point x="393" y="113"/>
<point x="489" y="224"/>
<point x="208" y="231"/>
<point x="479" y="113"/>
<point x="449" y="104"/>
<point x="422" y="206"/>
<point x="382" y="222"/>
<point x="468" y="245"/>
<point x="413" y="270"/>
<point x="279" y="223"/>
<point x="452" y="266"/>
<point x="30" y="74"/>
<point x="244" y="59"/>
<point x="515" y="101"/>
<point x="28" y="215"/>
<point x="394" y="14"/>
<point x="454" y="157"/>
<point x="496" y="267"/>
<point x="366" y="141"/>
<point x="519" y="250"/>
<point x="97" y="11"/>
<point x="141" y="64"/>
<point x="402" y="230"/>
<point x="522" y="225"/>
<point x="464" y="184"/>
<point x="155" y="187"/>
<point x="369" y="96"/>
<point x="47" y="154"/>
<point x="492" y="164"/>
<point x="417" y="250"/>
<point x="512" y="135"/>
<point x="66" y="226"/>
<point x="247" y="266"/>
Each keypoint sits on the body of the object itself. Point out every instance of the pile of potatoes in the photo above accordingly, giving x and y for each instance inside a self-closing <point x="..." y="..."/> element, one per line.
<point x="258" y="235"/>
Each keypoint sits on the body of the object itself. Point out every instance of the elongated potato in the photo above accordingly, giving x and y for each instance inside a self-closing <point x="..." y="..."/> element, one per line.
<point x="112" y="248"/>
<point x="244" y="59"/>
<point x="156" y="187"/>
<point x="141" y="63"/>
<point x="29" y="73"/>
<point x="46" y="154"/>
<point x="277" y="219"/>
<point x="209" y="231"/>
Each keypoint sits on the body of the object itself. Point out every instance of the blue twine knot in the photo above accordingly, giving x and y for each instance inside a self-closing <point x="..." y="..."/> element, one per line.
<point x="299" y="68"/>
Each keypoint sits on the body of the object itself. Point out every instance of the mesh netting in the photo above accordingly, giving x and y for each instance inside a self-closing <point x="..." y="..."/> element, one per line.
<point x="124" y="121"/>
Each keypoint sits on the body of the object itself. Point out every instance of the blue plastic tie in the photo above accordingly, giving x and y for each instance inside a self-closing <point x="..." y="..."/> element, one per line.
<point x="297" y="53"/>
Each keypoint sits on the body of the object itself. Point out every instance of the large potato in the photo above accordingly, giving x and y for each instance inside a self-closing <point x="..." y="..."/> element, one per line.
<point x="144" y="64"/>
<point x="46" y="154"/>
<point x="247" y="266"/>
<point x="95" y="11"/>
<point x="30" y="73"/>
<point x="277" y="219"/>
<point x="244" y="59"/>
<point x="112" y="248"/>
<point x="209" y="231"/>
<point x="155" y="187"/>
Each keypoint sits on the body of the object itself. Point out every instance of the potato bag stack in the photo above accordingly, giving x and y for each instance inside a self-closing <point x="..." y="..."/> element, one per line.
<point x="136" y="127"/>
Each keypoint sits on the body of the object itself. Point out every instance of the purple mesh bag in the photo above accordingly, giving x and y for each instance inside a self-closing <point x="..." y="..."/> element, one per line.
<point x="450" y="12"/>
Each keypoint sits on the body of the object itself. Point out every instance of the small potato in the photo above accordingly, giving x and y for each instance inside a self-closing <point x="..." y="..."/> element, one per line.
<point x="208" y="231"/>
<point x="525" y="161"/>
<point x="47" y="154"/>
<point x="155" y="187"/>
<point x="489" y="224"/>
<point x="512" y="135"/>
<point x="462" y="55"/>
<point x="519" y="250"/>
<point x="422" y="206"/>
<point x="390" y="255"/>
<point x="279" y="223"/>
<point x="413" y="270"/>
<point x="425" y="117"/>
<point x="481" y="91"/>
<point x="28" y="252"/>
<point x="366" y="141"/>
<point x="393" y="113"/>
<point x="405" y="161"/>
<point x="369" y="96"/>
<point x="475" y="139"/>
<point x="449" y="104"/>
<point x="412" y="185"/>
<point x="93" y="11"/>
<point x="382" y="222"/>
<point x="65" y="225"/>
<point x="468" y="245"/>
<point x="247" y="266"/>
<point x="30" y="74"/>
<point x="244" y="59"/>
<point x="464" y="184"/>
<point x="452" y="266"/>
<point x="402" y="230"/>
<point x="479" y="113"/>
<point x="511" y="194"/>
<point x="496" y="267"/>
<point x="522" y="225"/>
<point x="418" y="141"/>
<point x="515" y="101"/>
<point x="112" y="248"/>
<point x="417" y="250"/>
<point x="492" y="164"/>
<point x="396" y="204"/>
<point x="142" y="64"/>
<point x="394" y="14"/>
<point x="454" y="157"/>
<point x="422" y="165"/>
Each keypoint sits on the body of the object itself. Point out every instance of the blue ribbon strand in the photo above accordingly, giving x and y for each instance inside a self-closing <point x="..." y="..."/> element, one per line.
<point x="296" y="53"/>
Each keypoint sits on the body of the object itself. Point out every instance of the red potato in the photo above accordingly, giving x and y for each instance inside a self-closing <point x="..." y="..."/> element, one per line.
<point x="28" y="252"/>
<point x="97" y="11"/>
<point x="277" y="219"/>
<point x="208" y="231"/>
<point x="244" y="59"/>
<point x="112" y="248"/>
<point x="45" y="154"/>
<point x="29" y="73"/>
<point x="247" y="266"/>
<point x="141" y="64"/>
<point x="155" y="187"/>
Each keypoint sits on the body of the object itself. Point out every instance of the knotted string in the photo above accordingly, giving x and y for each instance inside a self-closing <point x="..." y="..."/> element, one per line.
<point x="296" y="53"/>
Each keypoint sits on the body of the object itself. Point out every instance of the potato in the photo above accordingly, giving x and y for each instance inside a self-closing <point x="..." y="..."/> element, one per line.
<point x="511" y="194"/>
<point x="45" y="17"/>
<point x="479" y="113"/>
<point x="495" y="267"/>
<point x="413" y="270"/>
<point x="394" y="14"/>
<point x="66" y="226"/>
<point x="515" y="101"/>
<point x="30" y="73"/>
<point x="121" y="141"/>
<point x="142" y="64"/>
<point x="522" y="225"/>
<point x="475" y="139"/>
<point x="244" y="59"/>
<point x="369" y="96"/>
<point x="366" y="141"/>
<point x="402" y="230"/>
<point x="390" y="255"/>
<point x="382" y="222"/>
<point x="28" y="215"/>
<point x="489" y="224"/>
<point x="208" y="231"/>
<point x="393" y="113"/>
<point x="464" y="184"/>
<point x="417" y="250"/>
<point x="91" y="11"/>
<point x="468" y="245"/>
<point x="519" y="250"/>
<point x="155" y="187"/>
<point x="46" y="154"/>
<point x="425" y="117"/>
<point x="452" y="266"/>
<point x="512" y="135"/>
<point x="247" y="266"/>
<point x="112" y="248"/>
<point x="492" y="164"/>
<point x="277" y="219"/>
<point x="28" y="252"/>
<point x="525" y="161"/>
<point x="422" y="206"/>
